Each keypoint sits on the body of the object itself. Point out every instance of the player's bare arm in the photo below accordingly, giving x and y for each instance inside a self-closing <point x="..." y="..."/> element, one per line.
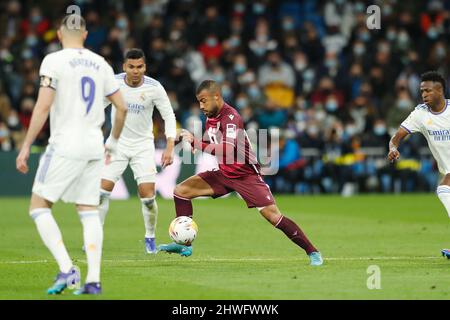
<point x="38" y="118"/>
<point x="167" y="156"/>
<point x="394" y="154"/>
<point x="119" y="121"/>
<point x="121" y="113"/>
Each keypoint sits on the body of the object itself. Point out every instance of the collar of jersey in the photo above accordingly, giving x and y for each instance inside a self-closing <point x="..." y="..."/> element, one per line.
<point x="124" y="81"/>
<point x="436" y="113"/>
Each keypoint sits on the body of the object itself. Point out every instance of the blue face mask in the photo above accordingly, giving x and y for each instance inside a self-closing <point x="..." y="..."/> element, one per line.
<point x="432" y="33"/>
<point x="259" y="51"/>
<point x="391" y="35"/>
<point x="259" y="8"/>
<point x="241" y="103"/>
<point x="240" y="68"/>
<point x="211" y="42"/>
<point x="234" y="42"/>
<point x="288" y="26"/>
<point x="239" y="7"/>
<point x="219" y="77"/>
<point x="36" y="19"/>
<point x="440" y="52"/>
<point x="330" y="63"/>
<point x="226" y="93"/>
<point x="27" y="54"/>
<point x="403" y="104"/>
<point x="359" y="50"/>
<point x="331" y="105"/>
<point x="308" y="75"/>
<point x="350" y="130"/>
<point x="254" y="92"/>
<point x="122" y="24"/>
<point x="364" y="36"/>
<point x="31" y="41"/>
<point x="4" y="133"/>
<point x="379" y="130"/>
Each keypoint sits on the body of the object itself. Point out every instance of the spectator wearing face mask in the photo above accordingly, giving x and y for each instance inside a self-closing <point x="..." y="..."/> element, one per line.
<point x="211" y="48"/>
<point x="432" y="21"/>
<point x="402" y="107"/>
<point x="278" y="80"/>
<point x="378" y="136"/>
<point x="16" y="130"/>
<point x="328" y="96"/>
<point x="35" y="22"/>
<point x="5" y="138"/>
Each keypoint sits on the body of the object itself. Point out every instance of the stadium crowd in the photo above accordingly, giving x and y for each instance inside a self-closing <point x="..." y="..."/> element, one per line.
<point x="334" y="88"/>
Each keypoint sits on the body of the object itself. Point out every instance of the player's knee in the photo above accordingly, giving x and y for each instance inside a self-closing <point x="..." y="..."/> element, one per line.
<point x="104" y="195"/>
<point x="181" y="191"/>
<point x="271" y="214"/>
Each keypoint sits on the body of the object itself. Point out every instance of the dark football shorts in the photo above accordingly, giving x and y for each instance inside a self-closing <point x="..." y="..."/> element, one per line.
<point x="252" y="188"/>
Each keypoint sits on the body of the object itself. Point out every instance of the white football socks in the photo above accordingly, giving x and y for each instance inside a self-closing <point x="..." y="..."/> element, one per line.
<point x="103" y="207"/>
<point x="51" y="236"/>
<point x="93" y="240"/>
<point x="150" y="214"/>
<point x="443" y="192"/>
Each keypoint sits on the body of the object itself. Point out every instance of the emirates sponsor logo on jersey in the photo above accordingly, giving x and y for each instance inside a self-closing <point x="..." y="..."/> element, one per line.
<point x="439" y="135"/>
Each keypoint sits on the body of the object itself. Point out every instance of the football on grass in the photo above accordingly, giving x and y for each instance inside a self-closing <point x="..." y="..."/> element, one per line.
<point x="183" y="230"/>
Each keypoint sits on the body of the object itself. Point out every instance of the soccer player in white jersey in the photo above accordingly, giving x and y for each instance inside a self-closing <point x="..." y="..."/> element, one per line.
<point x="432" y="119"/>
<point x="74" y="82"/>
<point x="136" y="147"/>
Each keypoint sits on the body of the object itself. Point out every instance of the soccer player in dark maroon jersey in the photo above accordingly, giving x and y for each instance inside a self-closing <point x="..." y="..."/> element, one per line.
<point x="238" y="171"/>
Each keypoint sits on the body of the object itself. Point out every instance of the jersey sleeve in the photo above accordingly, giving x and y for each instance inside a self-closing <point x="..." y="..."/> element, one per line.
<point x="162" y="103"/>
<point x="48" y="72"/>
<point x="412" y="123"/>
<point x="111" y="86"/>
<point x="232" y="126"/>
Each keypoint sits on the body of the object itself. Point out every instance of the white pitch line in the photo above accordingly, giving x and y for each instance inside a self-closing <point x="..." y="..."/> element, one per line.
<point x="227" y="260"/>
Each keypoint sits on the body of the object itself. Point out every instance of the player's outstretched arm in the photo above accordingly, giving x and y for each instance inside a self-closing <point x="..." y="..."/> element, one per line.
<point x="41" y="110"/>
<point x="394" y="154"/>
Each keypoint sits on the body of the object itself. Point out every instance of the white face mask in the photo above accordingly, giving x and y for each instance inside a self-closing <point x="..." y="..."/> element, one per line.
<point x="13" y="121"/>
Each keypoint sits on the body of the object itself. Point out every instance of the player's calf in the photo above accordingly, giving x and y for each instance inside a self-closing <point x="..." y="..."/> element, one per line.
<point x="292" y="231"/>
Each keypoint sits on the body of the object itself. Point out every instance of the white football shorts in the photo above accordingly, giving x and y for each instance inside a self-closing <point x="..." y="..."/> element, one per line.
<point x="141" y="161"/>
<point x="71" y="180"/>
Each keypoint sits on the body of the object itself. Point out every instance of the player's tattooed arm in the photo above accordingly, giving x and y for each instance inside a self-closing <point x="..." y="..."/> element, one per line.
<point x="394" y="154"/>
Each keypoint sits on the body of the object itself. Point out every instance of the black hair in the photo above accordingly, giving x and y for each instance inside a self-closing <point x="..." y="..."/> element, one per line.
<point x="434" y="76"/>
<point x="134" y="53"/>
<point x="209" y="85"/>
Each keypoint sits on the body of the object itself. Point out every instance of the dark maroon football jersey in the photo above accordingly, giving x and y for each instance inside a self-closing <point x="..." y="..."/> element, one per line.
<point x="228" y="127"/>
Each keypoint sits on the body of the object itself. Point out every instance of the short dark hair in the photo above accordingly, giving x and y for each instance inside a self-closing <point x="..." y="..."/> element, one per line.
<point x="134" y="53"/>
<point x="69" y="23"/>
<point x="435" y="77"/>
<point x="209" y="85"/>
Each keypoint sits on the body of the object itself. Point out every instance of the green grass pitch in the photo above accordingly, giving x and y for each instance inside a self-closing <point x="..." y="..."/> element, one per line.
<point x="238" y="255"/>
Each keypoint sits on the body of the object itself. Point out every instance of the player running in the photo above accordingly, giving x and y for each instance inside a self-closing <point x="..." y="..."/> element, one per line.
<point x="432" y="119"/>
<point x="73" y="84"/>
<point x="136" y="146"/>
<point x="238" y="171"/>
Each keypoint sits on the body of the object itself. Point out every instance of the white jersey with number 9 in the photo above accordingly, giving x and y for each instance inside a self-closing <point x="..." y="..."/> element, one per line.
<point x="82" y="79"/>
